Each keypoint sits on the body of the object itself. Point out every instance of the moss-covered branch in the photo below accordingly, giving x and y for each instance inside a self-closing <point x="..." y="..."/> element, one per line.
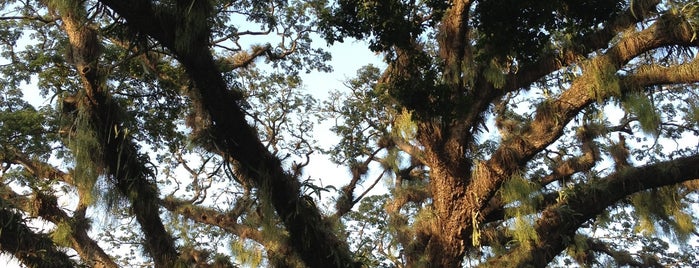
<point x="560" y="221"/>
<point x="70" y="231"/>
<point x="183" y="30"/>
<point x="32" y="249"/>
<point x="111" y="150"/>
<point x="279" y="254"/>
<point x="551" y="118"/>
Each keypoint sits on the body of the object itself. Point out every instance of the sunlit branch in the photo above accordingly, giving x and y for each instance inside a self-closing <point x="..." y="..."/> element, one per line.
<point x="570" y="212"/>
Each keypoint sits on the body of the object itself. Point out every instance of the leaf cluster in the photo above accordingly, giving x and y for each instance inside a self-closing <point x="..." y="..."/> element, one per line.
<point x="525" y="29"/>
<point x="388" y="23"/>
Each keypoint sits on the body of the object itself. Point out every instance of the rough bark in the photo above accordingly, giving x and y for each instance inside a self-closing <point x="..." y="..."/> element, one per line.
<point x="461" y="197"/>
<point x="453" y="42"/>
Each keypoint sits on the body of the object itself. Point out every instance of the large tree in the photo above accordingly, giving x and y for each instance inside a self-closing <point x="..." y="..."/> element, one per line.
<point x="509" y="133"/>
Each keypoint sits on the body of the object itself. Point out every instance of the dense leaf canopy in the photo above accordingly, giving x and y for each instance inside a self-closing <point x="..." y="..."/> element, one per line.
<point x="178" y="133"/>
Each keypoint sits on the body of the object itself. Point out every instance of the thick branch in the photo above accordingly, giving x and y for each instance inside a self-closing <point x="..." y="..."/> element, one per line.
<point x="32" y="249"/>
<point x="649" y="75"/>
<point x="562" y="220"/>
<point x="309" y="235"/>
<point x="46" y="207"/>
<point x="118" y="153"/>
<point x="453" y="42"/>
<point x="552" y="117"/>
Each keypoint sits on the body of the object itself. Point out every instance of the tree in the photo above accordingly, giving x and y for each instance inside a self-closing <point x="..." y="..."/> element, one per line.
<point x="511" y="133"/>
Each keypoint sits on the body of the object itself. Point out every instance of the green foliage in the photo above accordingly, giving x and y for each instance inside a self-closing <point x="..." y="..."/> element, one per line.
<point x="663" y="208"/>
<point x="362" y="116"/>
<point x="22" y="129"/>
<point x="523" y="198"/>
<point x="389" y="23"/>
<point x="368" y="228"/>
<point x="523" y="29"/>
<point x="61" y="235"/>
<point x="640" y="105"/>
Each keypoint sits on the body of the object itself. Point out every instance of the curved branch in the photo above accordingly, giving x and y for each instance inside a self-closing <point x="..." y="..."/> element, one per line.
<point x="552" y="117"/>
<point x="592" y="42"/>
<point x="562" y="220"/>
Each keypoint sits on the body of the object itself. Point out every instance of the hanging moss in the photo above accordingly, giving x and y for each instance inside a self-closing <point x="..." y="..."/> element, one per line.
<point x="61" y="235"/>
<point x="579" y="250"/>
<point x="682" y="226"/>
<point x="495" y="74"/>
<point x="404" y="126"/>
<point x="638" y="104"/>
<point x="245" y="253"/>
<point x="602" y="79"/>
<point x="522" y="198"/>
<point x="392" y="160"/>
<point x="661" y="208"/>
<point x="522" y="194"/>
<point x="87" y="150"/>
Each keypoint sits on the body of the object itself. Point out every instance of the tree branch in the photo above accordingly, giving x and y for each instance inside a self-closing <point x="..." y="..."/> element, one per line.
<point x="46" y="207"/>
<point x="561" y="220"/>
<point x="118" y="154"/>
<point x="310" y="236"/>
<point x="567" y="55"/>
<point x="551" y="118"/>
<point x="32" y="249"/>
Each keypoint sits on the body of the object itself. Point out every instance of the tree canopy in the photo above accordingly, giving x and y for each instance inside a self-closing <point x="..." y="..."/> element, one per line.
<point x="508" y="133"/>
